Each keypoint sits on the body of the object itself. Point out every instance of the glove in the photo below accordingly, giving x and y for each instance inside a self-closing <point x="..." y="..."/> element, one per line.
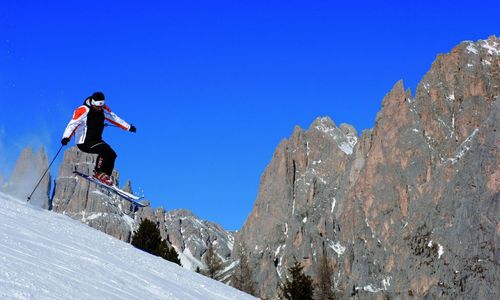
<point x="65" y="141"/>
<point x="132" y="129"/>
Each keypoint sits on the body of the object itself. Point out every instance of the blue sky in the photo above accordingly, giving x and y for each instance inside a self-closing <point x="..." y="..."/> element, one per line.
<point x="213" y="86"/>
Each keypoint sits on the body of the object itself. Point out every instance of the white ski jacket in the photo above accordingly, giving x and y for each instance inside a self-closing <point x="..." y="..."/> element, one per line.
<point x="87" y="124"/>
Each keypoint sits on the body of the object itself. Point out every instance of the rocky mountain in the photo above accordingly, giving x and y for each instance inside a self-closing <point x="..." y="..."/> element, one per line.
<point x="408" y="209"/>
<point x="191" y="237"/>
<point x="104" y="211"/>
<point x="83" y="201"/>
<point x="28" y="170"/>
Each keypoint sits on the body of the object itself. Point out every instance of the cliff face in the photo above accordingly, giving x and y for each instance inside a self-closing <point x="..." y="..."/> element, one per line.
<point x="424" y="203"/>
<point x="28" y="170"/>
<point x="191" y="237"/>
<point x="412" y="209"/>
<point x="83" y="201"/>
<point x="292" y="215"/>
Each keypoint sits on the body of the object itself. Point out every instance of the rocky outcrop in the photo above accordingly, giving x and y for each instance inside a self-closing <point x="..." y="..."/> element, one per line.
<point x="88" y="203"/>
<point x="411" y="210"/>
<point x="28" y="170"/>
<point x="292" y="217"/>
<point x="191" y="237"/>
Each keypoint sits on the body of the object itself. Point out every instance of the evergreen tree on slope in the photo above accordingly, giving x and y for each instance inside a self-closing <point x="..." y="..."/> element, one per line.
<point x="242" y="278"/>
<point x="213" y="262"/>
<point x="148" y="238"/>
<point x="300" y="286"/>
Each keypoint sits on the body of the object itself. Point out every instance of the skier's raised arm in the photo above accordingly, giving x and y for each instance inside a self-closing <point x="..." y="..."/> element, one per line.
<point x="114" y="119"/>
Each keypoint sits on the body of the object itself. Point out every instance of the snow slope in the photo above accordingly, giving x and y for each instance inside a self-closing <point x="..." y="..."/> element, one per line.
<point x="44" y="255"/>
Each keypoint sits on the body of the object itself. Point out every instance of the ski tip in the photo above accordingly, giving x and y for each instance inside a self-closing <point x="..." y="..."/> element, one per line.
<point x="144" y="203"/>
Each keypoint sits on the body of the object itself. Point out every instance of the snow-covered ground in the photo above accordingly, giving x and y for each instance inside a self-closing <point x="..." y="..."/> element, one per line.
<point x="44" y="255"/>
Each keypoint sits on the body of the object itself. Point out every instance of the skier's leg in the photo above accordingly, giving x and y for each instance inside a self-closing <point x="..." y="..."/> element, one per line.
<point x="109" y="156"/>
<point x="106" y="156"/>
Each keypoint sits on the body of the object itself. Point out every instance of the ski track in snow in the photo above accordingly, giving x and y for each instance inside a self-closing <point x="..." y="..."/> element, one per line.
<point x="44" y="255"/>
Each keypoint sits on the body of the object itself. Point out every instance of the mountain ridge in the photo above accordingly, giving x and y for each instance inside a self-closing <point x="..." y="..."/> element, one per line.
<point x="385" y="214"/>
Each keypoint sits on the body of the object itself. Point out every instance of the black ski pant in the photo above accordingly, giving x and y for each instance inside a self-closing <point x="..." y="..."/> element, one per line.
<point x="105" y="155"/>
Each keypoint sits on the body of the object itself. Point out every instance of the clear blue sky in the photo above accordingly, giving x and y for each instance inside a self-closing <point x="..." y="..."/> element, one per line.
<point x="213" y="86"/>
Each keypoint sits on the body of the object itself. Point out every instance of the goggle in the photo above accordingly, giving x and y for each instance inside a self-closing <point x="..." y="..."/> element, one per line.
<point x="97" y="103"/>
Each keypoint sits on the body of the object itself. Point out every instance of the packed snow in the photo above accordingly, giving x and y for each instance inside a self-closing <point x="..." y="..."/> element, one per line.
<point x="44" y="255"/>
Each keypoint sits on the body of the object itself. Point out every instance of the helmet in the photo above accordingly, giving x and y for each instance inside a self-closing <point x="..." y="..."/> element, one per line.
<point x="97" y="99"/>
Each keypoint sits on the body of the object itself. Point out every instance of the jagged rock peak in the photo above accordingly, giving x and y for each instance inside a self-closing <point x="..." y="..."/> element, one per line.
<point x="490" y="46"/>
<point x="191" y="236"/>
<point x="397" y="92"/>
<point x="28" y="170"/>
<point x="181" y="213"/>
<point x="128" y="187"/>
<point x="324" y="124"/>
<point x="184" y="214"/>
<point x="41" y="152"/>
<point x="345" y="136"/>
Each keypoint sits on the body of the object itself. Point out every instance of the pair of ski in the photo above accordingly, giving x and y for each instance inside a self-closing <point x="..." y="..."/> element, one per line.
<point x="114" y="189"/>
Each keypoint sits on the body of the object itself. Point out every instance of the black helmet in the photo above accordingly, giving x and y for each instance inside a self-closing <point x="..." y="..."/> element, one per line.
<point x="97" y="99"/>
<point x="98" y="96"/>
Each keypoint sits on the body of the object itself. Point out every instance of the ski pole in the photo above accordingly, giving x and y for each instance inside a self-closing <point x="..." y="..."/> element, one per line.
<point x="29" y="197"/>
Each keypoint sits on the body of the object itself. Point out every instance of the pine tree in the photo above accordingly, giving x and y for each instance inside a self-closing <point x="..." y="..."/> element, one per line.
<point x="174" y="256"/>
<point x="324" y="284"/>
<point x="213" y="262"/>
<point x="300" y="287"/>
<point x="242" y="278"/>
<point x="148" y="238"/>
<point x="168" y="253"/>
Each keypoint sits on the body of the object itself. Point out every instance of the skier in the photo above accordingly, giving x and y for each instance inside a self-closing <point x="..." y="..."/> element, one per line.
<point x="87" y="125"/>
